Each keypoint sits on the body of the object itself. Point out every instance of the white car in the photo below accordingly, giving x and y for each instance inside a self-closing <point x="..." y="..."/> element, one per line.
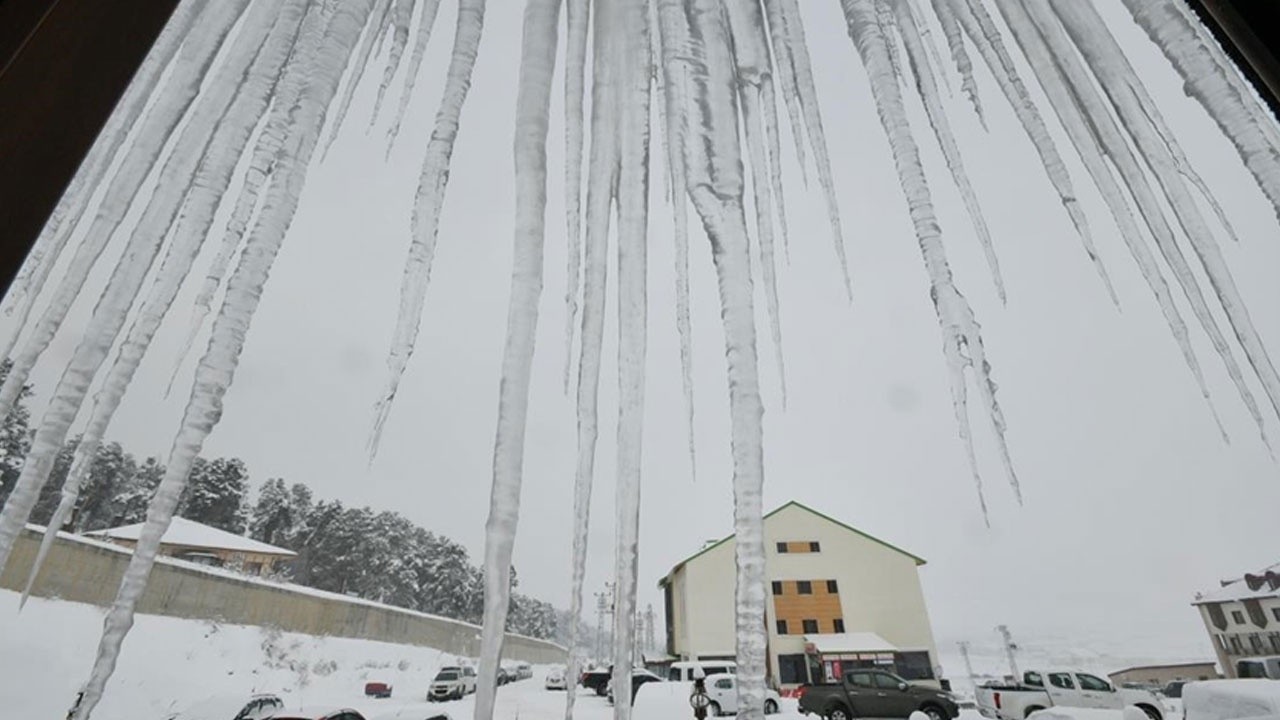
<point x="452" y="683"/>
<point x="1040" y="690"/>
<point x="723" y="691"/>
<point x="232" y="707"/>
<point x="555" y="679"/>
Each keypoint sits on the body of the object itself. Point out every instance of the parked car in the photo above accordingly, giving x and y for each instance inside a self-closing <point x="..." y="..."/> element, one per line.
<point x="555" y="679"/>
<point x="1231" y="699"/>
<point x="320" y="713"/>
<point x="684" y="671"/>
<point x="524" y="671"/>
<point x="504" y="676"/>
<point x="232" y="707"/>
<point x="452" y="683"/>
<point x="639" y="676"/>
<point x="1256" y="668"/>
<point x="876" y="693"/>
<point x="1174" y="689"/>
<point x="597" y="680"/>
<point x="723" y="691"/>
<point x="1039" y="690"/>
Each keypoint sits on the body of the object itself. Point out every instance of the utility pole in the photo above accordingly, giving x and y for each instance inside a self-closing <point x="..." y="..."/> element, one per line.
<point x="602" y="604"/>
<point x="968" y="666"/>
<point x="650" y="641"/>
<point x="1009" y="649"/>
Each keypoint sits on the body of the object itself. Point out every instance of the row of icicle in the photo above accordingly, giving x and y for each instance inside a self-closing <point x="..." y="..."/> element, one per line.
<point x="712" y="72"/>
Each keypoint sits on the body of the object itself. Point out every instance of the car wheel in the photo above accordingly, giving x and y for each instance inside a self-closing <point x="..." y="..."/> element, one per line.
<point x="934" y="712"/>
<point x="770" y="707"/>
<point x="1032" y="709"/>
<point x="1151" y="712"/>
<point x="838" y="712"/>
<point x="714" y="709"/>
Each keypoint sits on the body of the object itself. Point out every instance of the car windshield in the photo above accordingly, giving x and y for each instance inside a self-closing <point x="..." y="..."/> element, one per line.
<point x="447" y="675"/>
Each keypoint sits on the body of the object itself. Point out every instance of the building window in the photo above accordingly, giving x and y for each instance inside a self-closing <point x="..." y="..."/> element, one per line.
<point x="815" y="546"/>
<point x="777" y="587"/>
<point x="1275" y="613"/>
<point x="913" y="665"/>
<point x="1237" y="616"/>
<point x="833" y="587"/>
<point x="782" y="627"/>
<point x="839" y="624"/>
<point x="1275" y="642"/>
<point x="1256" y="641"/>
<point x="804" y="587"/>
<point x="792" y="670"/>
<point x="782" y="548"/>
<point x="810" y="627"/>
<point x="1236" y="647"/>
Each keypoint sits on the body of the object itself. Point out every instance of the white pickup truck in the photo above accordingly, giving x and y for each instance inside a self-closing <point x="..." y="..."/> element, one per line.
<point x="1041" y="690"/>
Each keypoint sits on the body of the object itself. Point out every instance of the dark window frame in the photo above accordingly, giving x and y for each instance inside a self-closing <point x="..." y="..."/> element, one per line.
<point x="815" y="546"/>
<point x="778" y="588"/>
<point x="838" y="625"/>
<point x="833" y="587"/>
<point x="1237" y="616"/>
<point x="804" y="587"/>
<point x="809" y="623"/>
<point x="782" y="548"/>
<point x="782" y="627"/>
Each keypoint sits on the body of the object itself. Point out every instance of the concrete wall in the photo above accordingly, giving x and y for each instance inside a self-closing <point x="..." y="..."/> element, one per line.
<point x="86" y="571"/>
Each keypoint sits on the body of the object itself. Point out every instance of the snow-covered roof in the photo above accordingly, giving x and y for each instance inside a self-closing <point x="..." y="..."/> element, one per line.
<point x="1240" y="589"/>
<point x="189" y="533"/>
<point x="849" y="643"/>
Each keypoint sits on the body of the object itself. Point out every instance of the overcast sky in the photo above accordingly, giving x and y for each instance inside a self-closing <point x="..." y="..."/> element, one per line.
<point x="1133" y="502"/>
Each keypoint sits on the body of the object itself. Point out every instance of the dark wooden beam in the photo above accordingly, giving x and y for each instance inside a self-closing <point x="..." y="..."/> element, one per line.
<point x="63" y="66"/>
<point x="1248" y="30"/>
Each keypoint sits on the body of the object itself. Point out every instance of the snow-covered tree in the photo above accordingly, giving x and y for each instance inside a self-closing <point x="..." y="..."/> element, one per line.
<point x="111" y="472"/>
<point x="215" y="494"/>
<point x="15" y="438"/>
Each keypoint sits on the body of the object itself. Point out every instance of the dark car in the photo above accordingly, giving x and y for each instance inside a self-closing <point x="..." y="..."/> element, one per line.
<point x="875" y="693"/>
<point x="1174" y="689"/>
<point x="639" y="677"/>
<point x="597" y="680"/>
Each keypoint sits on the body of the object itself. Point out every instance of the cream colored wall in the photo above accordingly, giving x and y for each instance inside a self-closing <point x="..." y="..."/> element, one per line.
<point x="879" y="588"/>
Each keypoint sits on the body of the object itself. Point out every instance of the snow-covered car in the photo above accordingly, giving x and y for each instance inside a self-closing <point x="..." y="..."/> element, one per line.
<point x="555" y="679"/>
<point x="524" y="671"/>
<point x="452" y="683"/>
<point x="319" y="713"/>
<point x="1231" y="700"/>
<point x="723" y="691"/>
<point x="1063" y="689"/>
<point x="231" y="707"/>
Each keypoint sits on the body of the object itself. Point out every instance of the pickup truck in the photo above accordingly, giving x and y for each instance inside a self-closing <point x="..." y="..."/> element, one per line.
<point x="878" y="694"/>
<point x="1041" y="690"/>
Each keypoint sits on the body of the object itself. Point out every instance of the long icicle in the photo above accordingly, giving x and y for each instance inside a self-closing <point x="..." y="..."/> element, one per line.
<point x="26" y="286"/>
<point x="401" y="17"/>
<point x="962" y="338"/>
<point x="1119" y="81"/>
<point x="533" y="105"/>
<point x="430" y="8"/>
<point x="937" y="114"/>
<point x="1117" y="148"/>
<point x="210" y="182"/>
<point x="674" y="28"/>
<point x="117" y="298"/>
<point x="192" y="61"/>
<point x="426" y="209"/>
<point x="980" y="27"/>
<point x="785" y="72"/>
<point x="959" y="55"/>
<point x="578" y="19"/>
<point x="716" y="187"/>
<point x="1211" y="81"/>
<point x="360" y="63"/>
<point x="1092" y="154"/>
<point x="630" y="38"/>
<point x="217" y="368"/>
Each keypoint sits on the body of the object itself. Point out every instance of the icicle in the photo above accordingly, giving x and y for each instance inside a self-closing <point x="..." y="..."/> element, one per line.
<point x="716" y="185"/>
<point x="973" y="17"/>
<point x="785" y="71"/>
<point x="769" y="99"/>
<point x="930" y="44"/>
<point x="675" y="63"/>
<point x="928" y="91"/>
<point x="578" y="17"/>
<point x="955" y="43"/>
<point x="426" y="210"/>
<point x="401" y="16"/>
<point x="208" y="184"/>
<point x="1087" y="144"/>
<point x="751" y="54"/>
<point x="808" y="92"/>
<point x="533" y="104"/>
<point x="962" y="338"/>
<point x="66" y="215"/>
<point x="192" y="61"/>
<point x="889" y="30"/>
<point x="360" y="63"/>
<point x="429" y="10"/>
<point x="1119" y="81"/>
<point x="217" y="368"/>
<point x="1211" y="81"/>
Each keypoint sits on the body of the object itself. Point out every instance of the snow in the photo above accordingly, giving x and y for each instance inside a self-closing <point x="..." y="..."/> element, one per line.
<point x="1066" y="713"/>
<point x="189" y="533"/>
<point x="1230" y="699"/>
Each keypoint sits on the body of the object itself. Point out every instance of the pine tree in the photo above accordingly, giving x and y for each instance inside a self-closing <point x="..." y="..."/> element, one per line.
<point x="274" y="517"/>
<point x="15" y="438"/>
<point x="130" y="504"/>
<point x="109" y="476"/>
<point x="215" y="494"/>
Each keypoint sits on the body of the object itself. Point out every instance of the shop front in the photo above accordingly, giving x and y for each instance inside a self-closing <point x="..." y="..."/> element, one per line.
<point x="830" y="657"/>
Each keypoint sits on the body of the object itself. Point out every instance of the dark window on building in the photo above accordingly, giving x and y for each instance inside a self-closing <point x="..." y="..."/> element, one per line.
<point x="782" y="627"/>
<point x="804" y="587"/>
<point x="833" y="587"/>
<point x="1237" y="616"/>
<point x="913" y="665"/>
<point x="1275" y="642"/>
<point x="810" y="627"/>
<point x="1236" y="647"/>
<point x="815" y="546"/>
<point x="791" y="669"/>
<point x="1256" y="641"/>
<point x="668" y="605"/>
<point x="777" y="587"/>
<point x="838" y="624"/>
<point x="782" y="547"/>
<point x="1275" y="613"/>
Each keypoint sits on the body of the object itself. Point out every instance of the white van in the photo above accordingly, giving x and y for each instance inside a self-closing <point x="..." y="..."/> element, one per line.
<point x="1259" y="668"/>
<point x="683" y="671"/>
